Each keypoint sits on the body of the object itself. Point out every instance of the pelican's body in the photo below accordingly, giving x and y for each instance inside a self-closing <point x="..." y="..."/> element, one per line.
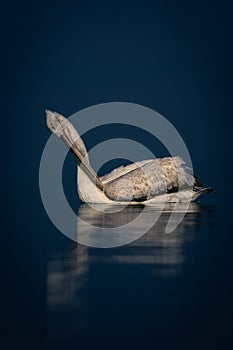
<point x="149" y="182"/>
<point x="125" y="185"/>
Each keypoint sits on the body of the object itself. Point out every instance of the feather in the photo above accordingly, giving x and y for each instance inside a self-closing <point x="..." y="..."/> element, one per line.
<point x="144" y="180"/>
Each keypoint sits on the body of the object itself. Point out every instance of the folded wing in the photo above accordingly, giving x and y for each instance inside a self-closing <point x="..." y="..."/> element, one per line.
<point x="144" y="180"/>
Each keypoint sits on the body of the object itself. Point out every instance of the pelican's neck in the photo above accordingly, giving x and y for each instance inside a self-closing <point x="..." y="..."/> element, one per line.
<point x="88" y="192"/>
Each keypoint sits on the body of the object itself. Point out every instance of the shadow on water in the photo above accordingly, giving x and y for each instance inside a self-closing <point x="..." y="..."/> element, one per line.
<point x="129" y="294"/>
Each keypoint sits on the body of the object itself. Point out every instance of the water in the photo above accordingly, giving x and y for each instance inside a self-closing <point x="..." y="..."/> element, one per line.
<point x="161" y="291"/>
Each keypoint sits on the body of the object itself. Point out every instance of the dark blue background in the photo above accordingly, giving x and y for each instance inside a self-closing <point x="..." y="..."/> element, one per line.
<point x="172" y="56"/>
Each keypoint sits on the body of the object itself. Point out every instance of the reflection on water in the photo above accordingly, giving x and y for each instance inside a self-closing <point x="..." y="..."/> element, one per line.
<point x="89" y="288"/>
<point x="113" y="226"/>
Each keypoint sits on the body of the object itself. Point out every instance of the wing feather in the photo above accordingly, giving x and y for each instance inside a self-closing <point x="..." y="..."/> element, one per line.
<point x="123" y="170"/>
<point x="147" y="179"/>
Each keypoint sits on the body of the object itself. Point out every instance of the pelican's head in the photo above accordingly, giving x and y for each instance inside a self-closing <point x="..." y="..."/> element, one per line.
<point x="55" y="122"/>
<point x="62" y="128"/>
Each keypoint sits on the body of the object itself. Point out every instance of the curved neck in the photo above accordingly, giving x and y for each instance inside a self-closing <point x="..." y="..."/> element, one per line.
<point x="88" y="192"/>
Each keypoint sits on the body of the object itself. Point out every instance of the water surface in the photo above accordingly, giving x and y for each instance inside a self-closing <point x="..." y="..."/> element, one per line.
<point x="162" y="290"/>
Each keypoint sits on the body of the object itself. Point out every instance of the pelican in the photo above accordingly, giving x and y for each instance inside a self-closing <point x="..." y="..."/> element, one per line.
<point x="148" y="182"/>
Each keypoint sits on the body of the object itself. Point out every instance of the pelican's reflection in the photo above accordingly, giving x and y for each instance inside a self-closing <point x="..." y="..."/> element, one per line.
<point x="155" y="247"/>
<point x="74" y="277"/>
<point x="106" y="227"/>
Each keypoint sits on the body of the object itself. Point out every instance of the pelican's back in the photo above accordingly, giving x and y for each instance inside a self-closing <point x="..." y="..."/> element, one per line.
<point x="144" y="180"/>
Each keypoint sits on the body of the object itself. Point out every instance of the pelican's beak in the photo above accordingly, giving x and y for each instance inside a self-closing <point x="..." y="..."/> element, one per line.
<point x="61" y="127"/>
<point x="87" y="168"/>
<point x="84" y="164"/>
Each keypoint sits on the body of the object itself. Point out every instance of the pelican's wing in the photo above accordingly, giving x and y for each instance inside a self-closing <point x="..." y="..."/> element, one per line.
<point x="123" y="170"/>
<point x="143" y="180"/>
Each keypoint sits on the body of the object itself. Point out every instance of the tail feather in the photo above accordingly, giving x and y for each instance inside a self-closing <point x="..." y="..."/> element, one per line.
<point x="203" y="191"/>
<point x="197" y="186"/>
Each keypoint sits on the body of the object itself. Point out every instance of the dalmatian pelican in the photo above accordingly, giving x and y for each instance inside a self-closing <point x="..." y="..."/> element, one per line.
<point x="148" y="182"/>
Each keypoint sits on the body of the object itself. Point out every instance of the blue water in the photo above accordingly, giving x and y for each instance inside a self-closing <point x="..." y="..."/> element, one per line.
<point x="162" y="291"/>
